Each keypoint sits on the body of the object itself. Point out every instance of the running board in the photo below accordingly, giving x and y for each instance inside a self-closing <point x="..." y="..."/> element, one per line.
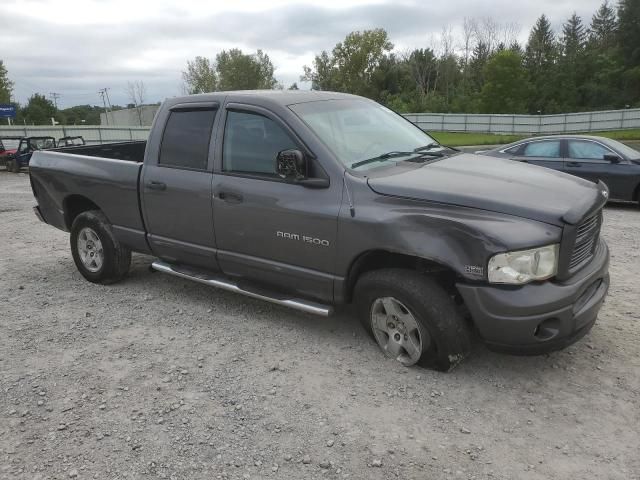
<point x="227" y="284"/>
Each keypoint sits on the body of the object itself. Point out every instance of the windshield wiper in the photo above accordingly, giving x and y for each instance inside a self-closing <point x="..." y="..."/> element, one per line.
<point x="379" y="158"/>
<point x="433" y="145"/>
<point x="424" y="148"/>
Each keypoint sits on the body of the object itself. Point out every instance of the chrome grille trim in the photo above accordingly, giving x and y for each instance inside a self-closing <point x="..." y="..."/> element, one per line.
<point x="587" y="235"/>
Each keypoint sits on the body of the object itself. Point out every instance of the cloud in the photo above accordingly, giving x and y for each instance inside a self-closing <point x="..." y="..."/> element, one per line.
<point x="90" y="44"/>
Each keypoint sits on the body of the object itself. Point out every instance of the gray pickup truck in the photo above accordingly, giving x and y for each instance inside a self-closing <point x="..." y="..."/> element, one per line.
<point x="316" y="199"/>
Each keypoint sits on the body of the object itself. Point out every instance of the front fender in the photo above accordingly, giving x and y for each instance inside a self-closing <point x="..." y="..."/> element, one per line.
<point x="460" y="238"/>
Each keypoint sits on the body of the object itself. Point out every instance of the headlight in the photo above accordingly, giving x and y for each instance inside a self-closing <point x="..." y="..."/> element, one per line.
<point x="524" y="266"/>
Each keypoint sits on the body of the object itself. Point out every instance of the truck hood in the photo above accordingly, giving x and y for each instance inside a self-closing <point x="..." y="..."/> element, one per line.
<point x="497" y="185"/>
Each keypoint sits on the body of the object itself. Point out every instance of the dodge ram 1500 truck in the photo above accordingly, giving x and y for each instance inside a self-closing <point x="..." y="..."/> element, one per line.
<point x="316" y="199"/>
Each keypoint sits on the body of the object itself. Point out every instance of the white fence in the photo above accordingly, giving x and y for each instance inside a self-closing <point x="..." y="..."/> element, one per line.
<point x="528" y="124"/>
<point x="431" y="122"/>
<point x="91" y="134"/>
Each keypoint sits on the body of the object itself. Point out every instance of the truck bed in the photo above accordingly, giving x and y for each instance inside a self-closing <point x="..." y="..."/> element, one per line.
<point x="104" y="176"/>
<point x="130" y="151"/>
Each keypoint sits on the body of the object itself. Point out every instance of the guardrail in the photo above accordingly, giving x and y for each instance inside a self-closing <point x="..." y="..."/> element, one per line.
<point x="91" y="134"/>
<point x="431" y="122"/>
<point x="528" y="124"/>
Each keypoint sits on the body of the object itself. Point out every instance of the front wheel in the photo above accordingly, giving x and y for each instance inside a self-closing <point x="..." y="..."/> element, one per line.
<point x="96" y="252"/>
<point x="412" y="318"/>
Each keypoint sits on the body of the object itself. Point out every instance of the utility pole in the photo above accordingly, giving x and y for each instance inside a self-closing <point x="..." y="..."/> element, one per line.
<point x="102" y="93"/>
<point x="106" y="92"/>
<point x="55" y="97"/>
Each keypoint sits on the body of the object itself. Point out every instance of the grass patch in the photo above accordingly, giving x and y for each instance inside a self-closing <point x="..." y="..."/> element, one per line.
<point x="461" y="139"/>
<point x="633" y="134"/>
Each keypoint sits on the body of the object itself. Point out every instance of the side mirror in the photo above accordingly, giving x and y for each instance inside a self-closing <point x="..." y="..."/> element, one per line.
<point x="610" y="157"/>
<point x="291" y="164"/>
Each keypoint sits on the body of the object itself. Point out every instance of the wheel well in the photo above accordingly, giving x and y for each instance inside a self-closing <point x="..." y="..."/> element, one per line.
<point x="378" y="259"/>
<point x="74" y="205"/>
<point x="636" y="193"/>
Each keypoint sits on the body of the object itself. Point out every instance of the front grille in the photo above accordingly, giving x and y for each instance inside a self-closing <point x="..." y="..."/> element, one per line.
<point x="587" y="235"/>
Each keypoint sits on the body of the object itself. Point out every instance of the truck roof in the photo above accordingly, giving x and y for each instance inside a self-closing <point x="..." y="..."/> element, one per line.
<point x="280" y="97"/>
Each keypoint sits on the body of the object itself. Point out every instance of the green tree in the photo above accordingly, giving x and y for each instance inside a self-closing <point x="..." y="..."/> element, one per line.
<point x="6" y="85"/>
<point x="200" y="76"/>
<point x="629" y="41"/>
<point x="539" y="60"/>
<point x="239" y="71"/>
<point x="82" y="115"/>
<point x="571" y="63"/>
<point x="505" y="89"/>
<point x="629" y="31"/>
<point x="293" y="86"/>
<point x="602" y="31"/>
<point x="352" y="63"/>
<point x="39" y="110"/>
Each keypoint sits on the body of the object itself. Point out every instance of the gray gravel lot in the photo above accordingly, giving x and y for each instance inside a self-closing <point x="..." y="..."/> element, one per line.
<point x="157" y="377"/>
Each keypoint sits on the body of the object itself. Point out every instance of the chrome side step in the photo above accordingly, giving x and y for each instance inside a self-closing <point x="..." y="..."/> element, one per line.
<point x="226" y="284"/>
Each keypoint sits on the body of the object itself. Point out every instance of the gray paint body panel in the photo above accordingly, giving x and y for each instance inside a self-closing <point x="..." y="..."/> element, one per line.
<point x="457" y="212"/>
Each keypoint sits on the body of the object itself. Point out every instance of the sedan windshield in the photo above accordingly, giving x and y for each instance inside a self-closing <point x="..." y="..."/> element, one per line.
<point x="9" y="144"/>
<point x="625" y="150"/>
<point x="363" y="134"/>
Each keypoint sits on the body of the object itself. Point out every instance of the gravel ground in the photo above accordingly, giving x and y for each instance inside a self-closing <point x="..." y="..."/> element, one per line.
<point x="157" y="377"/>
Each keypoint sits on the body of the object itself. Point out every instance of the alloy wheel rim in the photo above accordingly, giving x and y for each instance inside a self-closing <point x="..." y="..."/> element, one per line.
<point x="396" y="330"/>
<point x="90" y="249"/>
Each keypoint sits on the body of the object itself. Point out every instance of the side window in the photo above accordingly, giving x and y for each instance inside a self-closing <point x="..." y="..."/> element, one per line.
<point x="550" y="149"/>
<point x="513" y="150"/>
<point x="185" y="142"/>
<point x="587" y="150"/>
<point x="252" y="142"/>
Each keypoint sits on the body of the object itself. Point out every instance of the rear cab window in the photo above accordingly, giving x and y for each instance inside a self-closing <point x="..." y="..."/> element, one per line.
<point x="186" y="138"/>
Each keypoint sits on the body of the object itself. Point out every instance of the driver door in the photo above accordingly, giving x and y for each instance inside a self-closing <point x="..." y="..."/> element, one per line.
<point x="267" y="229"/>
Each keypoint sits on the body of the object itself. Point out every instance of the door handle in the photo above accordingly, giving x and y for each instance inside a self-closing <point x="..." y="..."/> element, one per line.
<point x="156" y="186"/>
<point x="573" y="164"/>
<point x="230" y="197"/>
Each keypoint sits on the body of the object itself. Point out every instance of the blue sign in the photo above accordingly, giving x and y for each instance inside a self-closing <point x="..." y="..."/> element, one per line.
<point x="7" y="111"/>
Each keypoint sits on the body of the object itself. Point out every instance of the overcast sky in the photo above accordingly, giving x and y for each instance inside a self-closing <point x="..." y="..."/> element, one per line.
<point x="75" y="47"/>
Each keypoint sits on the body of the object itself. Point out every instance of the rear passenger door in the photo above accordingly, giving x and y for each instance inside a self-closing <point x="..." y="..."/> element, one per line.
<point x="545" y="153"/>
<point x="176" y="189"/>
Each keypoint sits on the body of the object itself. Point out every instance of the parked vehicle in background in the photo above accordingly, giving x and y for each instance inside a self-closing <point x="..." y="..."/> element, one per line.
<point x="315" y="199"/>
<point x="8" y="148"/>
<point x="71" y="141"/>
<point x="26" y="147"/>
<point x="589" y="157"/>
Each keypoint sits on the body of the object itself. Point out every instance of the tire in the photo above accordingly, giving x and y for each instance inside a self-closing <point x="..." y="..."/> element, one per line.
<point x="440" y="338"/>
<point x="97" y="254"/>
<point x="9" y="165"/>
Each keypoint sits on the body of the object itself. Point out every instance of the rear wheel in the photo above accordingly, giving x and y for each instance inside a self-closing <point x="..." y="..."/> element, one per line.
<point x="9" y="165"/>
<point x="96" y="252"/>
<point x="412" y="318"/>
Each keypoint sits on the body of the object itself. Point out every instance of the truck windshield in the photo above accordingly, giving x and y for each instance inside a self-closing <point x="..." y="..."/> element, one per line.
<point x="359" y="130"/>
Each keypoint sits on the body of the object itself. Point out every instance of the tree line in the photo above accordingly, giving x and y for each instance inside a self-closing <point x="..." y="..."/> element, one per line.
<point x="483" y="69"/>
<point x="592" y="66"/>
<point x="582" y="67"/>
